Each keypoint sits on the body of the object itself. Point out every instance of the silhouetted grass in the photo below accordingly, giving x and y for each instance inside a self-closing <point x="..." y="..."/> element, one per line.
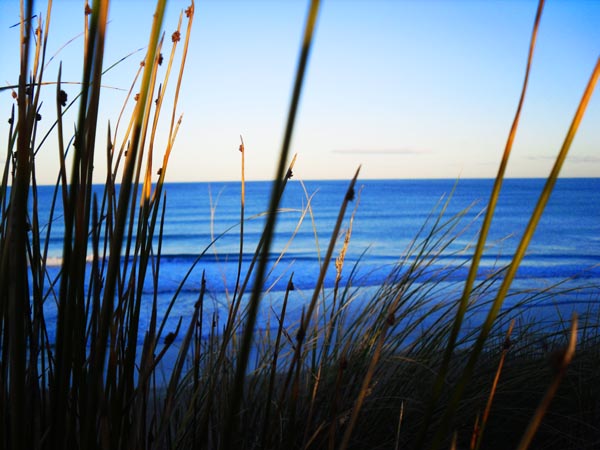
<point x="420" y="361"/>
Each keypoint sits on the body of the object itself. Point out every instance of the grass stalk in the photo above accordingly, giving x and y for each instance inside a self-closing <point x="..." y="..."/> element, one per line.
<point x="270" y="390"/>
<point x="269" y="231"/>
<point x="487" y="221"/>
<point x="519" y="253"/>
<point x="330" y="324"/>
<point x="480" y="428"/>
<point x="14" y="265"/>
<point x="242" y="207"/>
<point x="307" y="314"/>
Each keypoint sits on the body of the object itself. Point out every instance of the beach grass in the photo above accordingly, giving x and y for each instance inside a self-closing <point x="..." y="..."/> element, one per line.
<point x="419" y="361"/>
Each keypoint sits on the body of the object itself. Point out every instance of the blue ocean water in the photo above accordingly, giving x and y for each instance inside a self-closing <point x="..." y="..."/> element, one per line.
<point x="202" y="230"/>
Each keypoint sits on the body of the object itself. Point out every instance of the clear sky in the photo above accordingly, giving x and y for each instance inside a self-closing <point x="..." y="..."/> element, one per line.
<point x="408" y="89"/>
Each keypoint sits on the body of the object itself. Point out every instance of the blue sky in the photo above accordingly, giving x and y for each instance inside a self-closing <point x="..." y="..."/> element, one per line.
<point x="408" y="89"/>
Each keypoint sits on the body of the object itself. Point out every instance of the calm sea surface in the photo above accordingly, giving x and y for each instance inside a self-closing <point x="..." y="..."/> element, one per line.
<point x="389" y="216"/>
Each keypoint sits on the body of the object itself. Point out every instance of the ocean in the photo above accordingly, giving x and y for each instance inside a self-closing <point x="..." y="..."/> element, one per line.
<point x="390" y="217"/>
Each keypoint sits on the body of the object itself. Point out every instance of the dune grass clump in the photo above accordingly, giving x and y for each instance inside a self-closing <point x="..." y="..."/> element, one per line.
<point x="421" y="361"/>
<point x="88" y="386"/>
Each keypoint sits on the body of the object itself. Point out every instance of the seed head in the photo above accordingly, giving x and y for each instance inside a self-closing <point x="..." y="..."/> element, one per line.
<point x="62" y="98"/>
<point x="169" y="338"/>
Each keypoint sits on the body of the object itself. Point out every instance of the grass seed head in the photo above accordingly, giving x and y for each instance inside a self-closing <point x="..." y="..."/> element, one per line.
<point x="62" y="98"/>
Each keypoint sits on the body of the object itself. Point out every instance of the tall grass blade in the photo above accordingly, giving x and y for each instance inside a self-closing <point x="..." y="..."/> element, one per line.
<point x="14" y="285"/>
<point x="269" y="231"/>
<point x="480" y="428"/>
<point x="520" y="251"/>
<point x="485" y="227"/>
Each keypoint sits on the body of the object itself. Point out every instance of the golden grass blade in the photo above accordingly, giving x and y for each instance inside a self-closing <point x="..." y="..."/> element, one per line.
<point x="520" y="251"/>
<point x="114" y="261"/>
<point x="486" y="413"/>
<point x="540" y="206"/>
<point x="487" y="221"/>
<point x="189" y="13"/>
<point x="124" y="195"/>
<point x="400" y="417"/>
<point x="242" y="208"/>
<point x="365" y="387"/>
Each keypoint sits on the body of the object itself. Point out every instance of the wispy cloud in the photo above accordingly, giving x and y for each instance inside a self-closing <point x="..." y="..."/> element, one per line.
<point x="583" y="159"/>
<point x="373" y="151"/>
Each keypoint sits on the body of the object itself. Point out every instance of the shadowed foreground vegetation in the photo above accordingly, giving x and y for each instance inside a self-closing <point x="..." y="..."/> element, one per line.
<point x="409" y="364"/>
